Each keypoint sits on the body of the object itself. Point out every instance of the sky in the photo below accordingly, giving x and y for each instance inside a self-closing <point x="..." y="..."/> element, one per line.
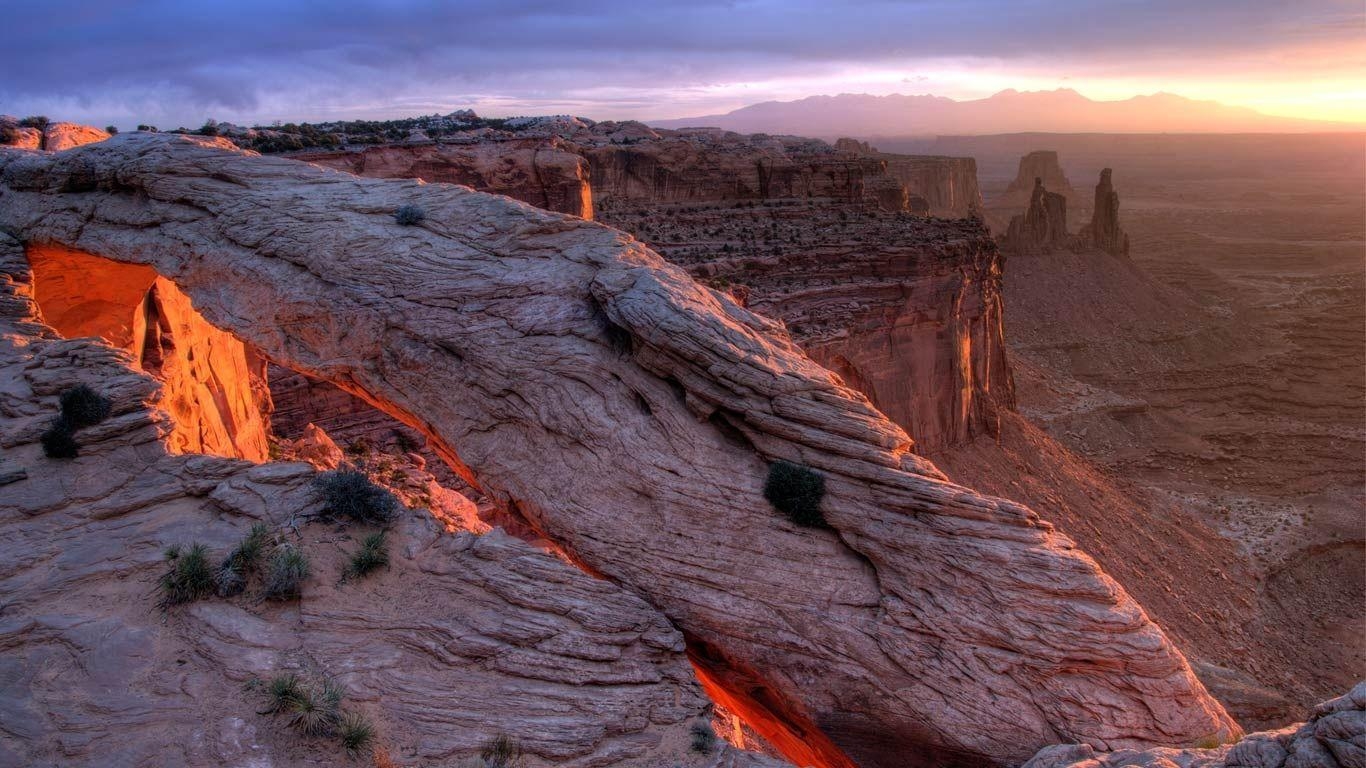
<point x="180" y="62"/>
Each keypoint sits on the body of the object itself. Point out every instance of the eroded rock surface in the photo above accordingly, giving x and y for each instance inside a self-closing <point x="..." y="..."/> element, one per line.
<point x="630" y="415"/>
<point x="1104" y="231"/>
<point x="462" y="638"/>
<point x="1037" y="166"/>
<point x="542" y="172"/>
<point x="1042" y="228"/>
<point x="1334" y="737"/>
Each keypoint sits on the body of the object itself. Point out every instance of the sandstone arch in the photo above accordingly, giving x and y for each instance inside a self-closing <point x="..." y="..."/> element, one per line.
<point x="582" y="381"/>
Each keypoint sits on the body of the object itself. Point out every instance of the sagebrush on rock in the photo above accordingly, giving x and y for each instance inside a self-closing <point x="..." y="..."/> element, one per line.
<point x="58" y="440"/>
<point x="190" y="576"/>
<point x="796" y="491"/>
<point x="286" y="574"/>
<point x="373" y="554"/>
<point x="350" y="496"/>
<point x="231" y="577"/>
<point x="84" y="407"/>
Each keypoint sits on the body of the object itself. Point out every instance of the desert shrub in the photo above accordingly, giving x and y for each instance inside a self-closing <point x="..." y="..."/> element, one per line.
<point x="408" y="215"/>
<point x="796" y="491"/>
<point x="190" y="576"/>
<point x="373" y="554"/>
<point x="349" y="495"/>
<point x="83" y="406"/>
<point x="356" y="732"/>
<point x="35" y="121"/>
<point x="501" y="752"/>
<point x="286" y="574"/>
<point x="58" y="440"/>
<point x="315" y="712"/>
<point x="231" y="577"/>
<point x="703" y="737"/>
<point x="283" y="691"/>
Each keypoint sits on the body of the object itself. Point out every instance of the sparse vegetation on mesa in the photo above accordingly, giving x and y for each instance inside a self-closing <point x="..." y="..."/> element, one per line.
<point x="59" y="442"/>
<point x="81" y="407"/>
<point x="316" y="710"/>
<point x="409" y="215"/>
<point x="703" y="737"/>
<point x="350" y="496"/>
<point x="231" y="577"/>
<point x="796" y="491"/>
<point x="189" y="578"/>
<point x="286" y="574"/>
<point x="372" y="555"/>
<point x="501" y="752"/>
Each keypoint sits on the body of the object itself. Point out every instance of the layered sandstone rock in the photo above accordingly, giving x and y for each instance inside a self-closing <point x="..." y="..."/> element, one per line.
<point x="1334" y="737"/>
<point x="216" y="387"/>
<point x="935" y="185"/>
<point x="1035" y="167"/>
<point x="461" y="639"/>
<point x="1104" y="231"/>
<point x="59" y="136"/>
<point x="1042" y="228"/>
<point x="12" y="134"/>
<point x="542" y="172"/>
<point x="630" y="415"/>
<point x="907" y="311"/>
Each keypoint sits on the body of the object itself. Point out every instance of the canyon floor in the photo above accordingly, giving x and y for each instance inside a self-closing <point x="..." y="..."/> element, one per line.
<point x="1223" y="369"/>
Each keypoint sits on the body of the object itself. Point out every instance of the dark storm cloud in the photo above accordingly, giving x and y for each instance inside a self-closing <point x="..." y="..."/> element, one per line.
<point x="189" y="56"/>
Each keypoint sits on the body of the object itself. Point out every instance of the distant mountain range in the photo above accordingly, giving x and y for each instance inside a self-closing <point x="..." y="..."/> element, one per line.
<point x="1010" y="111"/>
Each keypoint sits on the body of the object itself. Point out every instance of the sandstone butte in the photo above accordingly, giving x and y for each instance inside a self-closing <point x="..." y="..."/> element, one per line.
<point x="629" y="415"/>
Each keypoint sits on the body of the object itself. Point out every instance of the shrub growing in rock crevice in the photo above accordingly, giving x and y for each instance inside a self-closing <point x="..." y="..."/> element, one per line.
<point x="245" y="559"/>
<point x="372" y="555"/>
<point x="703" y="737"/>
<point x="59" y="441"/>
<point x="408" y="215"/>
<point x="285" y="574"/>
<point x="190" y="576"/>
<point x="350" y="496"/>
<point x="84" y="407"/>
<point x="501" y="752"/>
<point x="796" y="491"/>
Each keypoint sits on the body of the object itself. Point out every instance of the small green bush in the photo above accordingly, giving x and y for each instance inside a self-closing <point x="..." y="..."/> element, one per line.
<point x="372" y="555"/>
<point x="58" y="440"/>
<point x="190" y="576"/>
<point x="357" y="734"/>
<point x="501" y="752"/>
<point x="84" y="407"/>
<point x="349" y="495"/>
<point x="796" y="491"/>
<point x="703" y="737"/>
<point x="316" y="713"/>
<point x="231" y="577"/>
<point x="283" y="691"/>
<point x="409" y="215"/>
<point x="286" y="574"/>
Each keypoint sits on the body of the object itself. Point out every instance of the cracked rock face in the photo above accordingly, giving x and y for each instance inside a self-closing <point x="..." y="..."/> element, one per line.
<point x="630" y="415"/>
<point x="1333" y="737"/>
<point x="460" y="639"/>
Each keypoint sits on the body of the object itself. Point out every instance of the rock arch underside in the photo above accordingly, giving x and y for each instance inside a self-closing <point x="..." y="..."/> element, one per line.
<point x="629" y="415"/>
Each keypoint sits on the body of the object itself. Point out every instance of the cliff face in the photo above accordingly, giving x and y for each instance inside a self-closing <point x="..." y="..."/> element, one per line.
<point x="607" y="397"/>
<point x="906" y="310"/>
<point x="539" y="171"/>
<point x="1039" y="166"/>
<point x="935" y="185"/>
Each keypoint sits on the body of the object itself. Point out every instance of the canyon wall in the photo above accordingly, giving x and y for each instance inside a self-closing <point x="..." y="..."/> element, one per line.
<point x="1039" y="166"/>
<point x="906" y="310"/>
<point x="631" y="416"/>
<point x="540" y="171"/>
